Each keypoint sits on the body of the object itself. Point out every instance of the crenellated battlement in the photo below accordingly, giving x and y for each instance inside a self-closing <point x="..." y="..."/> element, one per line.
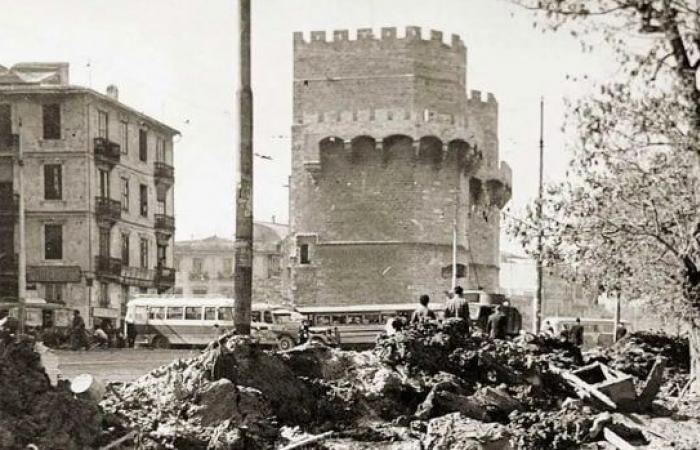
<point x="387" y="35"/>
<point x="383" y="115"/>
<point x="476" y="98"/>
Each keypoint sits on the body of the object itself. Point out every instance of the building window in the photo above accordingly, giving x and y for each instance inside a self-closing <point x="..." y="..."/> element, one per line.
<point x="162" y="251"/>
<point x="124" y="136"/>
<point x="197" y="265"/>
<point x="160" y="149"/>
<point x="53" y="182"/>
<point x="304" y="254"/>
<point x="199" y="291"/>
<point x="143" y="199"/>
<point x="105" y="238"/>
<point x="104" y="183"/>
<point x="53" y="292"/>
<point x="144" y="253"/>
<point x="125" y="194"/>
<point x="102" y="124"/>
<point x="104" y="295"/>
<point x="125" y="300"/>
<point x="125" y="249"/>
<point x="143" y="145"/>
<point x="52" y="121"/>
<point x="228" y="266"/>
<point x="53" y="241"/>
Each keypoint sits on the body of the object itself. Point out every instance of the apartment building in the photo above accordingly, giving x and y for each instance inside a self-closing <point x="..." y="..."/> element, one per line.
<point x="98" y="193"/>
<point x="206" y="266"/>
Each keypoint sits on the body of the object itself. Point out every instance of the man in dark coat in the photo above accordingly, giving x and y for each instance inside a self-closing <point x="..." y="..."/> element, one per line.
<point x="576" y="333"/>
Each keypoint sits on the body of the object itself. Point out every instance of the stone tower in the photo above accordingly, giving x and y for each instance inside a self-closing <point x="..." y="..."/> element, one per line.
<point x="388" y="153"/>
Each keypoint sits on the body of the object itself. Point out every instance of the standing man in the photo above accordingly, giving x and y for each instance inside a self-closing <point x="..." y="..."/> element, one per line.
<point x="496" y="325"/>
<point x="422" y="313"/>
<point x="576" y="333"/>
<point x="78" y="338"/>
<point x="457" y="307"/>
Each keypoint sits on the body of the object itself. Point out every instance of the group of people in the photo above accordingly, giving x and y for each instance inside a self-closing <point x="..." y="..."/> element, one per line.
<point x="457" y="307"/>
<point x="103" y="336"/>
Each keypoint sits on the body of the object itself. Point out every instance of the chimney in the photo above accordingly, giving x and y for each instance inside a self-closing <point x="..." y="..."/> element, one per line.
<point x="113" y="92"/>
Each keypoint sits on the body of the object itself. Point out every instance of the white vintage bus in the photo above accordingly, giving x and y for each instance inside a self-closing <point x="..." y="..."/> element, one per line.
<point x="358" y="326"/>
<point x="162" y="321"/>
<point x="596" y="331"/>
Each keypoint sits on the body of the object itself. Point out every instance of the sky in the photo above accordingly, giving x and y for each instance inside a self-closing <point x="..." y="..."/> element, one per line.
<point x="176" y="60"/>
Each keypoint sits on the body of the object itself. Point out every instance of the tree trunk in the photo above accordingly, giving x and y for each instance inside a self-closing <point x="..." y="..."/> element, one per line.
<point x="694" y="341"/>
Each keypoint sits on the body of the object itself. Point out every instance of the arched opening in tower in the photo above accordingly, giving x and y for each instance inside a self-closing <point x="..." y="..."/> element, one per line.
<point x="398" y="147"/>
<point x="430" y="150"/>
<point x="363" y="149"/>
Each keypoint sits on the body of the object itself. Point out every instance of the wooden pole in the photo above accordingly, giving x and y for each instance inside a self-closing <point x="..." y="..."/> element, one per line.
<point x="243" y="251"/>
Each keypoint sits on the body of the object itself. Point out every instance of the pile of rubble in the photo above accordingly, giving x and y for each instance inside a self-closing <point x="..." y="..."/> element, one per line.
<point x="34" y="412"/>
<point x="429" y="388"/>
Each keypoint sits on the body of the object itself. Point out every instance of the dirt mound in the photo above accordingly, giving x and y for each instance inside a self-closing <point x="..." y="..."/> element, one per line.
<point x="34" y="412"/>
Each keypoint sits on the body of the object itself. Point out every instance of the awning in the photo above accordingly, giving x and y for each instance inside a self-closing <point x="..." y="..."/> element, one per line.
<point x="105" y="313"/>
<point x="53" y="274"/>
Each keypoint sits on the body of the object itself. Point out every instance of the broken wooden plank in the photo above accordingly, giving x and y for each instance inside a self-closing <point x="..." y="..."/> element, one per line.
<point x="652" y="384"/>
<point x="582" y="385"/>
<point x="614" y="439"/>
<point x="119" y="441"/>
<point x="308" y="440"/>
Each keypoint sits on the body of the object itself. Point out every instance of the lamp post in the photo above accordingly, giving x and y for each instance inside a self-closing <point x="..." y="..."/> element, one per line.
<point x="537" y="316"/>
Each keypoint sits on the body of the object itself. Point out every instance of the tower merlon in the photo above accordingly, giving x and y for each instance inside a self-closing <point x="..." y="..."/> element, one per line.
<point x="386" y="34"/>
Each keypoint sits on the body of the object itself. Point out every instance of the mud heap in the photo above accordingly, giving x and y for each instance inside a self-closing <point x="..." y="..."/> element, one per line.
<point x="430" y="388"/>
<point x="34" y="412"/>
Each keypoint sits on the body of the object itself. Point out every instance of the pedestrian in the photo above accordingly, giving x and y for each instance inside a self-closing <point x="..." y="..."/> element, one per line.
<point x="304" y="332"/>
<point x="576" y="333"/>
<point x="457" y="307"/>
<point x="547" y="329"/>
<point x="130" y="334"/>
<point x="422" y="313"/>
<point x="78" y="338"/>
<point x="101" y="337"/>
<point x="621" y="332"/>
<point x="496" y="324"/>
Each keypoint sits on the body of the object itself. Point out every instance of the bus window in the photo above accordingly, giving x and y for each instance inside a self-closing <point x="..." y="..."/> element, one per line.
<point x="209" y="313"/>
<point x="175" y="312"/>
<point x="372" y="319"/>
<point x="193" y="313"/>
<point x="339" y="319"/>
<point x="63" y="318"/>
<point x="226" y="313"/>
<point x="255" y="316"/>
<point x="323" y="320"/>
<point x="354" y="319"/>
<point x="267" y="316"/>
<point x="32" y="317"/>
<point x="156" y="312"/>
<point x="140" y="314"/>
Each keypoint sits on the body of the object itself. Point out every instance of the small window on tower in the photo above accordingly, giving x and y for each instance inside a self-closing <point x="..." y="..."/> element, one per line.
<point x="304" y="254"/>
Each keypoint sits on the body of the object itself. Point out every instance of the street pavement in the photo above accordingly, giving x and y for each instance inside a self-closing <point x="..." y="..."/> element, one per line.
<point x="116" y="365"/>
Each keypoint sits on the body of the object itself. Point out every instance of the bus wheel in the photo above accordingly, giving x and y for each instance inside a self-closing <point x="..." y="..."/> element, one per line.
<point x="160" y="342"/>
<point x="285" y="342"/>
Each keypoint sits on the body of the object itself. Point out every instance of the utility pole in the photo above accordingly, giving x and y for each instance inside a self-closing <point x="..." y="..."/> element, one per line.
<point x="22" y="259"/>
<point x="616" y="327"/>
<point x="454" y="254"/>
<point x="537" y="316"/>
<point x="243" y="251"/>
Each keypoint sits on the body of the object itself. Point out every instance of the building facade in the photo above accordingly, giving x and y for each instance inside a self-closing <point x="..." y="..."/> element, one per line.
<point x="206" y="266"/>
<point x="98" y="193"/>
<point x="390" y="159"/>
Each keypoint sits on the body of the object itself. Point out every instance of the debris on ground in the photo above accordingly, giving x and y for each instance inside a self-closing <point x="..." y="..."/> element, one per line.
<point x="424" y="388"/>
<point x="33" y="412"/>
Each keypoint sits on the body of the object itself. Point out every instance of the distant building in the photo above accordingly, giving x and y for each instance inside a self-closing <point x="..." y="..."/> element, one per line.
<point x="206" y="266"/>
<point x="560" y="296"/>
<point x="98" y="187"/>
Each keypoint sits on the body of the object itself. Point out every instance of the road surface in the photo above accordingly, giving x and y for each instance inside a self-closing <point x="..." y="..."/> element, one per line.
<point x="116" y="365"/>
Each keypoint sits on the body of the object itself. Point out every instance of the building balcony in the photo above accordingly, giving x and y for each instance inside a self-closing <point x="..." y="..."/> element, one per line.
<point x="138" y="276"/>
<point x="107" y="151"/>
<point x="165" y="278"/>
<point x="199" y="276"/>
<point x="163" y="172"/>
<point x="108" y="211"/>
<point x="165" y="223"/>
<point x="108" y="267"/>
<point x="225" y="276"/>
<point x="9" y="144"/>
<point x="9" y="207"/>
